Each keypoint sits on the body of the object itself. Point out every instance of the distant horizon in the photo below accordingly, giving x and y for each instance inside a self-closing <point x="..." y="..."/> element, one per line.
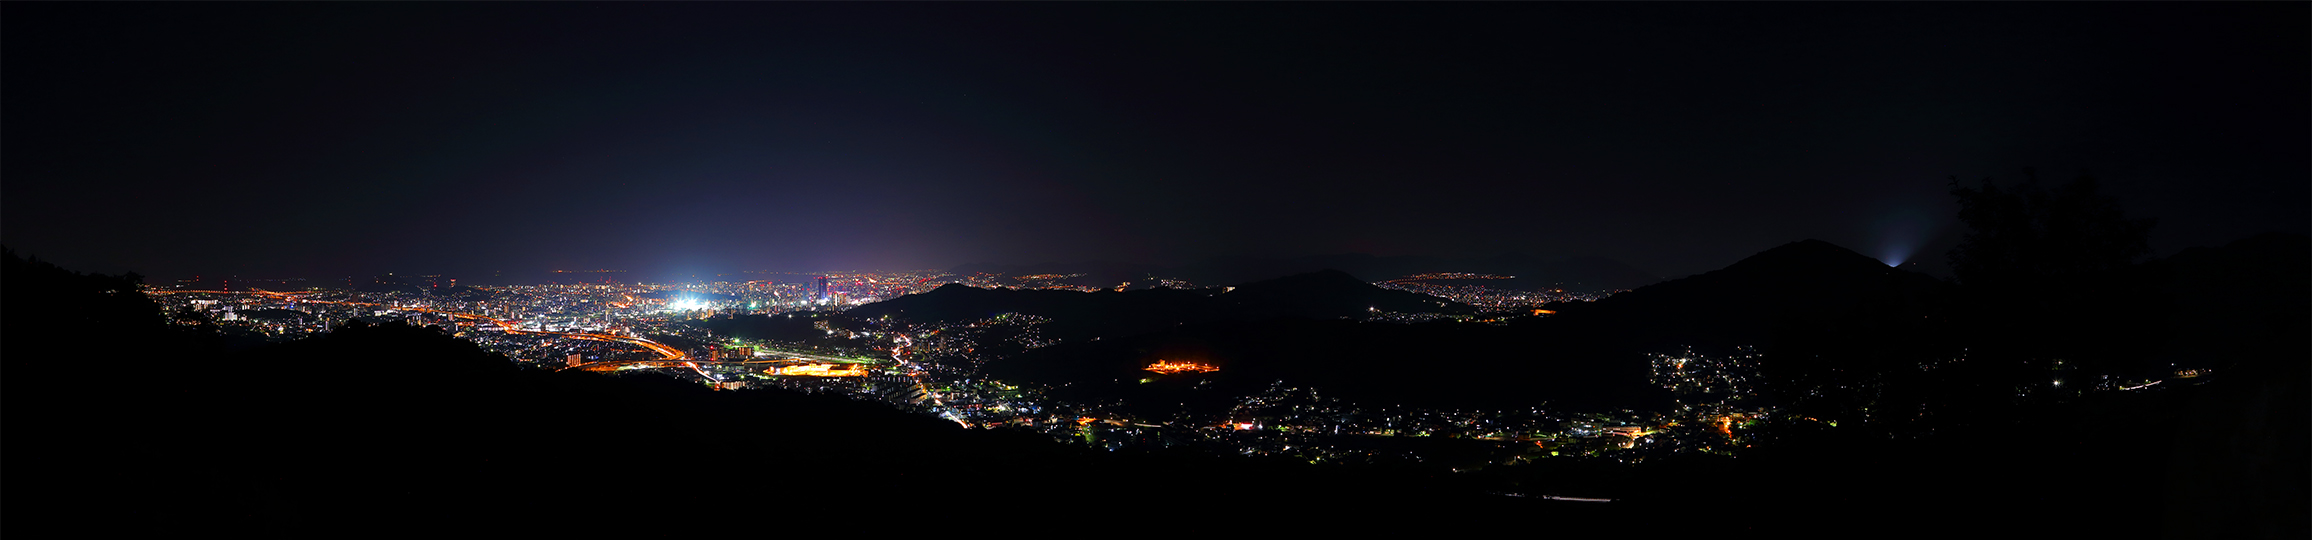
<point x="631" y="272"/>
<point x="1934" y="266"/>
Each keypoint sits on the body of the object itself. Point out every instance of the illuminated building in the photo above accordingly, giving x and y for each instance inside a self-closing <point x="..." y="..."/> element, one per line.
<point x="818" y="370"/>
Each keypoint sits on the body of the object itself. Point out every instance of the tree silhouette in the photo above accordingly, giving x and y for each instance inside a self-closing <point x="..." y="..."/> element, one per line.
<point x="2025" y="234"/>
<point x="2051" y="282"/>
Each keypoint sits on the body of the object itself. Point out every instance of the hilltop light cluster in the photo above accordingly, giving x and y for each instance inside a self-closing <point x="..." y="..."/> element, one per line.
<point x="1718" y="378"/>
<point x="1055" y="282"/>
<point x="1490" y="297"/>
<point x="1170" y="367"/>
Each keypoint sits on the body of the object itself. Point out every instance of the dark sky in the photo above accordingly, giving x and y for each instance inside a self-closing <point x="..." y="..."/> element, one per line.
<point x="320" y="140"/>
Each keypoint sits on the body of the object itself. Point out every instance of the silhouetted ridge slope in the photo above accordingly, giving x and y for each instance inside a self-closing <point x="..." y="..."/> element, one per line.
<point x="45" y="300"/>
<point x="2245" y="309"/>
<point x="1327" y="294"/>
<point x="2249" y="301"/>
<point x="1591" y="356"/>
<point x="1093" y="273"/>
<point x="1578" y="273"/>
<point x="1075" y="315"/>
<point x="1809" y="283"/>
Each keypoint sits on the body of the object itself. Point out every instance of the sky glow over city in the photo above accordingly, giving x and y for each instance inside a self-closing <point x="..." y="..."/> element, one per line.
<point x="319" y="141"/>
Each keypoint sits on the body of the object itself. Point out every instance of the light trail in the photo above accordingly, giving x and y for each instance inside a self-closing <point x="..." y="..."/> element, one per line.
<point x="702" y="373"/>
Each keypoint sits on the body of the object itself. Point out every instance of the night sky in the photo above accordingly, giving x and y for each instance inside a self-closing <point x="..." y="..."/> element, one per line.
<point x="324" y="140"/>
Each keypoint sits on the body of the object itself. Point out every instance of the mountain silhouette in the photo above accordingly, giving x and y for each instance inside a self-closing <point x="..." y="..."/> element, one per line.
<point x="1591" y="356"/>
<point x="1079" y="315"/>
<point x="1578" y="273"/>
<point x="1805" y="283"/>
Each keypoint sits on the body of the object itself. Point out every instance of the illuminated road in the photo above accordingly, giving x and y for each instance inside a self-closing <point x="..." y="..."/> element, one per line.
<point x="916" y="373"/>
<point x="814" y="357"/>
<point x="662" y="349"/>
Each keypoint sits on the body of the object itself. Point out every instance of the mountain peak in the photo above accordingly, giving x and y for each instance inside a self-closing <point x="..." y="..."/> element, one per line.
<point x="1807" y="254"/>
